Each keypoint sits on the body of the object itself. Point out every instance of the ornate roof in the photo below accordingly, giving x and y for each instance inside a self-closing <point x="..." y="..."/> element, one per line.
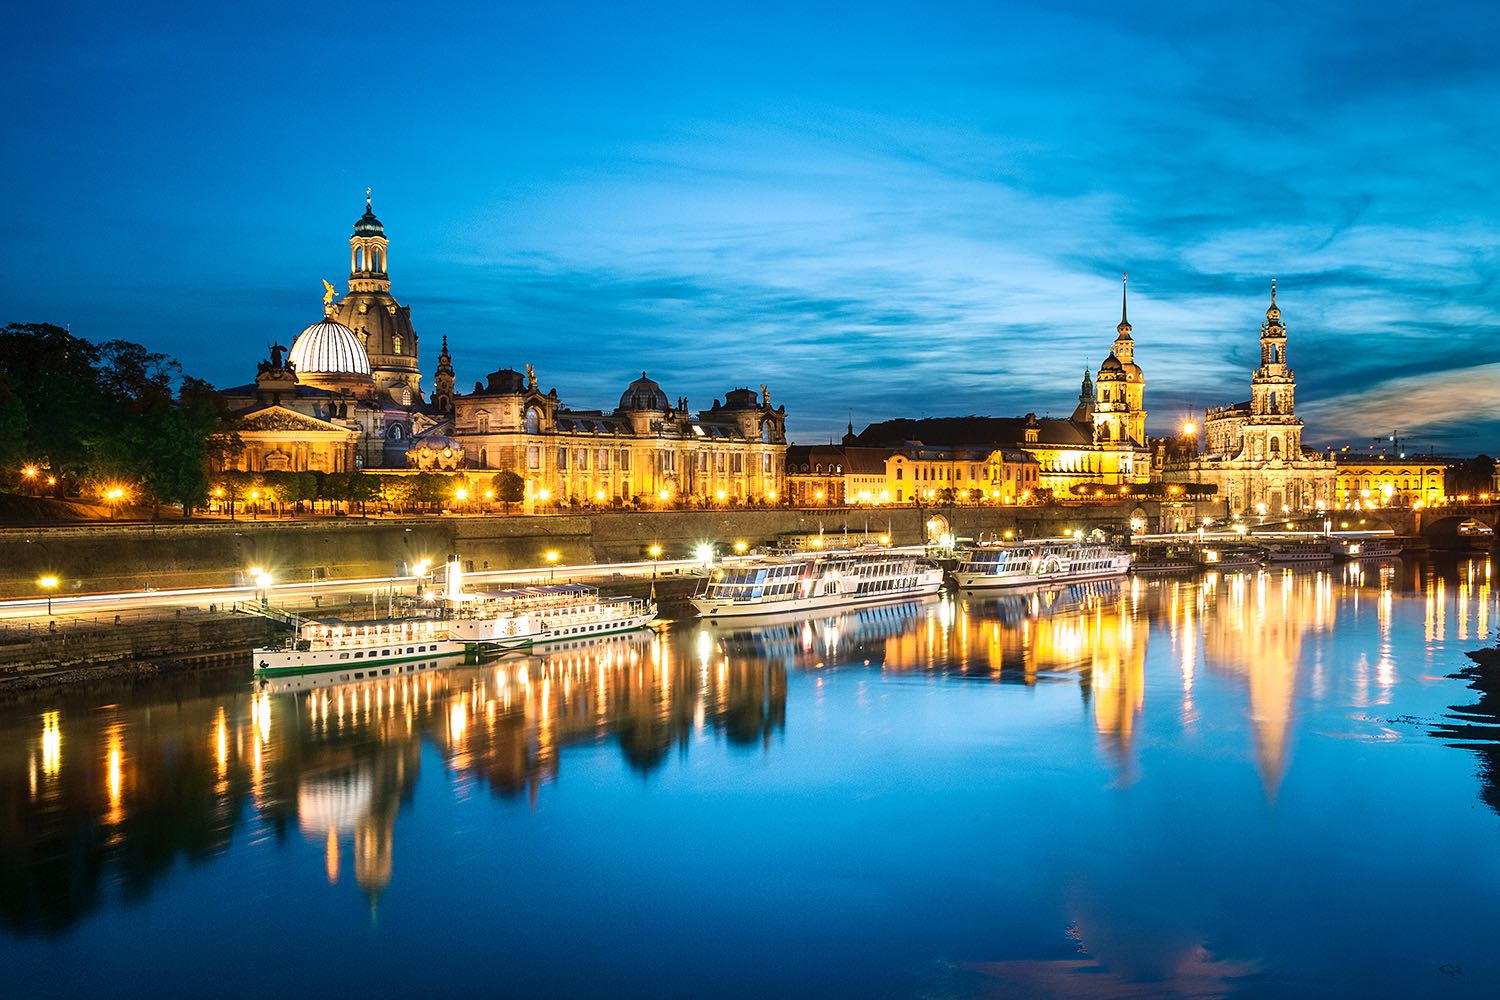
<point x="368" y="225"/>
<point x="329" y="347"/>
<point x="644" y="394"/>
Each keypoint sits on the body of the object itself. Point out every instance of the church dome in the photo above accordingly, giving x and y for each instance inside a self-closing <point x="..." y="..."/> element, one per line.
<point x="329" y="347"/>
<point x="644" y="394"/>
<point x="367" y="224"/>
<point x="1111" y="364"/>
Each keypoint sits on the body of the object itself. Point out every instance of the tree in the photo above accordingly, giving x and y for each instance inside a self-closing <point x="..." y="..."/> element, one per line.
<point x="509" y="488"/>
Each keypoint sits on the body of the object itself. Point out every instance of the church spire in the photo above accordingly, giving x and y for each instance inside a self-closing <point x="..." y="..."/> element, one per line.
<point x="1124" y="327"/>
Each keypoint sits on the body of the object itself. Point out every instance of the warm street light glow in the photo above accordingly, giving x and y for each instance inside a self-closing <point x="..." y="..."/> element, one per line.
<point x="719" y="495"/>
<point x="771" y="494"/>
<point x="489" y="494"/>
<point x="654" y="552"/>
<point x="543" y="494"/>
<point x="48" y="583"/>
<point x="885" y="539"/>
<point x="1190" y="428"/>
<point x="553" y="555"/>
<point x="600" y="495"/>
<point x="704" y="553"/>
<point x="461" y="494"/>
<point x="741" y="547"/>
<point x="665" y="494"/>
<point x="29" y="472"/>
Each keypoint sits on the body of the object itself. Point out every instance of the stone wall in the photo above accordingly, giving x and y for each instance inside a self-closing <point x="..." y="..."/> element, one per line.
<point x="100" y="558"/>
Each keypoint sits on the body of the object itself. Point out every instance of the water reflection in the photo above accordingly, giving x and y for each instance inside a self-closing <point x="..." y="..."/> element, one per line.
<point x="337" y="763"/>
<point x="1162" y="759"/>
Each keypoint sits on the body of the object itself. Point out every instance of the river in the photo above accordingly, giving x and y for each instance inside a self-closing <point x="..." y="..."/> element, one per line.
<point x="1261" y="784"/>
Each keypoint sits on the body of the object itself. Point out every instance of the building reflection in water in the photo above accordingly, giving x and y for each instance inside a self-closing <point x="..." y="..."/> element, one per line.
<point x="334" y="764"/>
<point x="103" y="791"/>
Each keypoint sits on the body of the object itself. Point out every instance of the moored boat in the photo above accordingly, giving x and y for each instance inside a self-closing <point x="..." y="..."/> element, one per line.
<point x="771" y="585"/>
<point x="1299" y="552"/>
<point x="533" y="616"/>
<point x="1367" y="548"/>
<point x="1047" y="561"/>
<point x="360" y="649"/>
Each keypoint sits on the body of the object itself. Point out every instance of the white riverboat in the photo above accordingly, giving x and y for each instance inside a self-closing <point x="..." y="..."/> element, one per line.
<point x="359" y="649"/>
<point x="1367" y="547"/>
<point x="1299" y="553"/>
<point x="533" y="616"/>
<point x="772" y="585"/>
<point x="1047" y="561"/>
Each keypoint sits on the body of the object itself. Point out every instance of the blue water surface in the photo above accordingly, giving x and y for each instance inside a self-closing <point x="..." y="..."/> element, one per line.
<point x="1261" y="784"/>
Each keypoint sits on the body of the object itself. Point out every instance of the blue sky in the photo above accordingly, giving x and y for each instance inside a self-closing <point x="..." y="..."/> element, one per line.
<point x="897" y="210"/>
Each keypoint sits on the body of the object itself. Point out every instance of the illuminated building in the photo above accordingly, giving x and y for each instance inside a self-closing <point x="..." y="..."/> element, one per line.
<point x="1253" y="450"/>
<point x="647" y="448"/>
<point x="1379" y="480"/>
<point x="348" y="395"/>
<point x="1102" y="443"/>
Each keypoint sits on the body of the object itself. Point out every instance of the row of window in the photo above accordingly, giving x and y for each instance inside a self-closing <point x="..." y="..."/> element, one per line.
<point x="385" y="652"/>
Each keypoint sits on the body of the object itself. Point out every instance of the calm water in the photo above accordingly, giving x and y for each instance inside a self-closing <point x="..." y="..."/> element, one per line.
<point x="1245" y="785"/>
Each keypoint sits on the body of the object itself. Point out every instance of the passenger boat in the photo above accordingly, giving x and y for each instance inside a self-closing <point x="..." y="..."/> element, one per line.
<point x="1230" y="556"/>
<point x="533" y="616"/>
<point x="470" y="622"/>
<point x="1026" y="564"/>
<point x="1154" y="560"/>
<point x="363" y="649"/>
<point x="1295" y="553"/>
<point x="772" y="585"/>
<point x="1367" y="548"/>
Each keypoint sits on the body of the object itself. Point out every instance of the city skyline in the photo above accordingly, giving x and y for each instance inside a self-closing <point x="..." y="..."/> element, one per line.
<point x="916" y="218"/>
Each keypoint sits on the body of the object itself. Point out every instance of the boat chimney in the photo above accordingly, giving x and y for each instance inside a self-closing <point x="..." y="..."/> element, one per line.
<point x="455" y="594"/>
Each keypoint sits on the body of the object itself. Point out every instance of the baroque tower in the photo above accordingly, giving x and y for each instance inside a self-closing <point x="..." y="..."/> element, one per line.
<point x="1119" y="412"/>
<point x="1273" y="431"/>
<point x="382" y="324"/>
<point x="442" y="381"/>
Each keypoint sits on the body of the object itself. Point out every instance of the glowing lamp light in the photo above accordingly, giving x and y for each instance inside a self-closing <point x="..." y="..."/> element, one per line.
<point x="489" y="494"/>
<point x="48" y="583"/>
<point x="770" y="494"/>
<point x="29" y="472"/>
<point x="818" y="495"/>
<point x="1190" y="428"/>
<point x="704" y="552"/>
<point x="741" y="547"/>
<point x="543" y="494"/>
<point x="600" y="495"/>
<point x="664" y="495"/>
<point x="461" y="494"/>
<point x="552" y="555"/>
<point x="885" y="539"/>
<point x="720" y="495"/>
<point x="654" y="552"/>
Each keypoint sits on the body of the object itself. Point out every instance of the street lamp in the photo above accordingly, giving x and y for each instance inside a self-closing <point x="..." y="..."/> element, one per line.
<point x="655" y="553"/>
<point x="49" y="584"/>
<point x="552" y="556"/>
<point x="114" y="495"/>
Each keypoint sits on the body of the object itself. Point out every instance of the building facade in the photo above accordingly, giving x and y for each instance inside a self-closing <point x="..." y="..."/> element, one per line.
<point x="1252" y="451"/>
<point x="1381" y="481"/>
<point x="648" y="449"/>
<point x="347" y="395"/>
<point x="1101" y="444"/>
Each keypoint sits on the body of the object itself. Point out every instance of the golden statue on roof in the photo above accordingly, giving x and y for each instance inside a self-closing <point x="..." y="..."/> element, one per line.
<point x="328" y="294"/>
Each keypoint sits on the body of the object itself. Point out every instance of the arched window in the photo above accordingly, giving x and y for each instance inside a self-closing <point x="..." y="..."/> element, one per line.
<point x="484" y="458"/>
<point x="533" y="421"/>
<point x="396" y="344"/>
<point x="1276" y="446"/>
<point x="1273" y="401"/>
